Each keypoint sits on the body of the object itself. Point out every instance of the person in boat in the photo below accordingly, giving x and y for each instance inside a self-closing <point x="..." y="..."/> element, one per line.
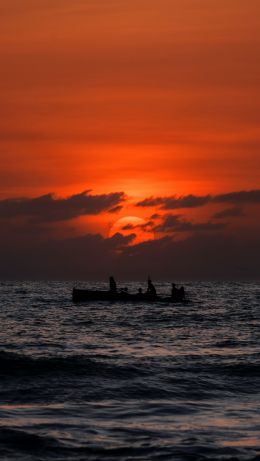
<point x="182" y="293"/>
<point x="124" y="292"/>
<point x="140" y="293"/>
<point x="177" y="293"/>
<point x="151" y="290"/>
<point x="112" y="285"/>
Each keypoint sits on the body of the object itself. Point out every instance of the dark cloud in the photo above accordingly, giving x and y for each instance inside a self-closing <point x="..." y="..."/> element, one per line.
<point x="115" y="209"/>
<point x="48" y="208"/>
<point x="118" y="240"/>
<point x="193" y="201"/>
<point x="28" y="251"/>
<point x="155" y="216"/>
<point x="199" y="257"/>
<point x="251" y="196"/>
<point x="171" y="203"/>
<point x="233" y="212"/>
<point x="175" y="223"/>
<point x="128" y="227"/>
<point x="93" y="257"/>
<point x="145" y="226"/>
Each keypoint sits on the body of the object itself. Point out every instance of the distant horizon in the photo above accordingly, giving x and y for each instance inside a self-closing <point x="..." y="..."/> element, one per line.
<point x="142" y="282"/>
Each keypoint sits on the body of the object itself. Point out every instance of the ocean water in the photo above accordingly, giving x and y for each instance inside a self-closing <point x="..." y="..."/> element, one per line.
<point x="104" y="381"/>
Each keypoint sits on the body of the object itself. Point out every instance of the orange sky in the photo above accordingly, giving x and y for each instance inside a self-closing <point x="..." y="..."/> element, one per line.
<point x="143" y="96"/>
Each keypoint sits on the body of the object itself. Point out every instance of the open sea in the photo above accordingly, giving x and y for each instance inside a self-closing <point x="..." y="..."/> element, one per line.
<point x="103" y="381"/>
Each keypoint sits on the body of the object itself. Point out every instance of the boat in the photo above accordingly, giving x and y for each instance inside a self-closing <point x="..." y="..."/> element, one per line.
<point x="82" y="295"/>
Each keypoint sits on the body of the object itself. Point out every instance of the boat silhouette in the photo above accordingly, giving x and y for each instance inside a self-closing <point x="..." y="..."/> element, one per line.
<point x="83" y="295"/>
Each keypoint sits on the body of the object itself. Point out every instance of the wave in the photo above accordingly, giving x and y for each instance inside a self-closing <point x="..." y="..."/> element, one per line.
<point x="23" y="441"/>
<point x="18" y="364"/>
<point x="228" y="343"/>
<point x="28" y="443"/>
<point x="22" y="444"/>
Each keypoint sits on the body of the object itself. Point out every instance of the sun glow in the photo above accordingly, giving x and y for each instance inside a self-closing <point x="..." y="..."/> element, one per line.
<point x="128" y="225"/>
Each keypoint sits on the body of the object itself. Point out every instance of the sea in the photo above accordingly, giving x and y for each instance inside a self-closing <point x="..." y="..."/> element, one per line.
<point x="103" y="381"/>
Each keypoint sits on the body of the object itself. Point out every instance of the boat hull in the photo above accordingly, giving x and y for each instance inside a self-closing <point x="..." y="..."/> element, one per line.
<point x="80" y="295"/>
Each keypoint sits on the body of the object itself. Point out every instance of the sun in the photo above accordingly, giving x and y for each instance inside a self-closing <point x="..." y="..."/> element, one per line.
<point x="133" y="225"/>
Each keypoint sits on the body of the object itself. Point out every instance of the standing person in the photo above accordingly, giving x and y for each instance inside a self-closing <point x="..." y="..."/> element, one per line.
<point x="151" y="288"/>
<point x="112" y="285"/>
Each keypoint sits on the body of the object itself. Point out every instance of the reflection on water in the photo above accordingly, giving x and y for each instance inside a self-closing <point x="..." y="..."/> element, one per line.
<point x="245" y="442"/>
<point x="111" y="381"/>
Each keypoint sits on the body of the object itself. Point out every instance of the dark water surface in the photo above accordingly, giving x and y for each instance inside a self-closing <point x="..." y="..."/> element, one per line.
<point x="129" y="382"/>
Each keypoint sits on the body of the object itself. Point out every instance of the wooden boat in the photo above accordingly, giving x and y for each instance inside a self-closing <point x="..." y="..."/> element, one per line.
<point x="80" y="295"/>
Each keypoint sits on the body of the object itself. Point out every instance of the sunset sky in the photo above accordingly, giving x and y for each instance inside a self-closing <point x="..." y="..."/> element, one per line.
<point x="118" y="108"/>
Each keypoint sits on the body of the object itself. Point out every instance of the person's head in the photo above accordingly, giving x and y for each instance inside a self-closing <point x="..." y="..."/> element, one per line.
<point x="173" y="285"/>
<point x="125" y="289"/>
<point x="140" y="290"/>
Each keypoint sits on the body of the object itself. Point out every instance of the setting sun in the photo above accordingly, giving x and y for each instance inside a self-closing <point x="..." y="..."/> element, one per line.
<point x="133" y="225"/>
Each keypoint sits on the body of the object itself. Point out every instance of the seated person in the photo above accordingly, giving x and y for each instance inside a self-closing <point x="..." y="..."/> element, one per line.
<point x="175" y="291"/>
<point x="182" y="293"/>
<point x="178" y="293"/>
<point x="140" y="293"/>
<point x="124" y="291"/>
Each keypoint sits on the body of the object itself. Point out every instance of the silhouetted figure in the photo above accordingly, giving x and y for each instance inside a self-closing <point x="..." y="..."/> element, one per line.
<point x="112" y="285"/>
<point x="140" y="293"/>
<point x="182" y="293"/>
<point x="124" y="293"/>
<point x="178" y="294"/>
<point x="151" y="288"/>
<point x="175" y="291"/>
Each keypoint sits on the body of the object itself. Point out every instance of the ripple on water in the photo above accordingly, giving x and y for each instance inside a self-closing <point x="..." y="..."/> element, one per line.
<point x="128" y="382"/>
